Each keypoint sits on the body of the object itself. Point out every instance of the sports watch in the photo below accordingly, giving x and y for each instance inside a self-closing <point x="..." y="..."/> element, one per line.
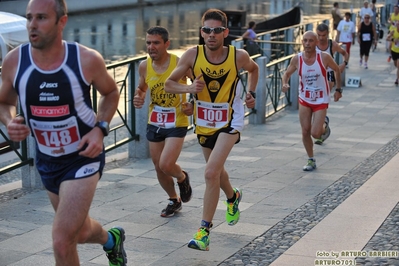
<point x="103" y="125"/>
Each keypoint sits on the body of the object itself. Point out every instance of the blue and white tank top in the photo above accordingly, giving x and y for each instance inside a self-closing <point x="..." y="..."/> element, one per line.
<point x="56" y="103"/>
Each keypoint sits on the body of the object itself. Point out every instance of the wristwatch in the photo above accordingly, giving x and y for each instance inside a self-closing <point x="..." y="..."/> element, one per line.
<point x="253" y="94"/>
<point x="103" y="125"/>
<point x="339" y="90"/>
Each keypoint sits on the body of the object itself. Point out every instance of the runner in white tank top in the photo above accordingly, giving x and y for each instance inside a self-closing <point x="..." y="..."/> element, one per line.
<point x="313" y="83"/>
<point x="314" y="91"/>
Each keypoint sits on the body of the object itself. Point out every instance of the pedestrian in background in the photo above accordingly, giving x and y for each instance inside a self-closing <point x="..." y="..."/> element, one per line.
<point x="346" y="32"/>
<point x="336" y="16"/>
<point x="49" y="74"/>
<point x="366" y="38"/>
<point x="219" y="112"/>
<point x="167" y="124"/>
<point x="365" y="10"/>
<point x="250" y="38"/>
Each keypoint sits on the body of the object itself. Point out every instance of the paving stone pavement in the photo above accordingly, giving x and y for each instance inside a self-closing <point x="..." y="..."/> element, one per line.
<point x="288" y="216"/>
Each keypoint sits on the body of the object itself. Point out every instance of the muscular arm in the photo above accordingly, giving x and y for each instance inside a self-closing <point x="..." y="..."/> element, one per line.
<point x="142" y="87"/>
<point x="337" y="48"/>
<point x="17" y="131"/>
<point x="328" y="61"/>
<point x="96" y="73"/>
<point x="287" y="74"/>
<point x="184" y="66"/>
<point x="244" y="61"/>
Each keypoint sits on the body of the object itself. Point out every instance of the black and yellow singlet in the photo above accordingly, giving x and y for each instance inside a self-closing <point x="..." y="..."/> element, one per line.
<point x="165" y="108"/>
<point x="219" y="105"/>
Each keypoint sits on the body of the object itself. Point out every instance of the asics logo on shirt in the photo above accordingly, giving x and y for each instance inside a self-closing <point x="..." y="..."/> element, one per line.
<point x="48" y="85"/>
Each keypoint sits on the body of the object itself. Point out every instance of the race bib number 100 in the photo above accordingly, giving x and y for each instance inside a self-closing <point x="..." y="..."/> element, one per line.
<point x="56" y="138"/>
<point x="212" y="115"/>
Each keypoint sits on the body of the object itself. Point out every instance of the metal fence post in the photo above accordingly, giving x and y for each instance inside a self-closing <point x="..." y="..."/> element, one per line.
<point x="290" y="38"/>
<point x="139" y="148"/>
<point x="260" y="102"/>
<point x="29" y="175"/>
<point x="267" y="46"/>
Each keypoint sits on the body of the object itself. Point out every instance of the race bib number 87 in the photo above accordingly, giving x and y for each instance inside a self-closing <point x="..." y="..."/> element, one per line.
<point x="56" y="138"/>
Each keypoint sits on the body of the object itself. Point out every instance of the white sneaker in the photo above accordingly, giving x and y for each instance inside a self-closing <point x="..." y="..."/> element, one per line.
<point x="360" y="62"/>
<point x="365" y="65"/>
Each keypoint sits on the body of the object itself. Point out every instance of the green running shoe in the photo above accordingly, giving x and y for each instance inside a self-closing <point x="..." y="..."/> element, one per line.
<point x="117" y="255"/>
<point x="200" y="240"/>
<point x="233" y="213"/>
<point x="310" y="166"/>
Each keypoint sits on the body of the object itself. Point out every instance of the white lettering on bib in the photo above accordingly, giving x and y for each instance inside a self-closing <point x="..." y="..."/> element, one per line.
<point x="212" y="115"/>
<point x="313" y="94"/>
<point x="164" y="117"/>
<point x="56" y="138"/>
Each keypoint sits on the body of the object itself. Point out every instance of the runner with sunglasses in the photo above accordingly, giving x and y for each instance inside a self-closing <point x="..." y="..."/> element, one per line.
<point x="218" y="112"/>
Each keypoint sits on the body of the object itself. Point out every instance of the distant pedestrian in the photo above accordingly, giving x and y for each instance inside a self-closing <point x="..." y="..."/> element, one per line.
<point x="53" y="80"/>
<point x="167" y="124"/>
<point x="365" y="10"/>
<point x="394" y="37"/>
<point x="346" y="32"/>
<point x="366" y="38"/>
<point x="336" y="16"/>
<point x="249" y="36"/>
<point x="314" y="91"/>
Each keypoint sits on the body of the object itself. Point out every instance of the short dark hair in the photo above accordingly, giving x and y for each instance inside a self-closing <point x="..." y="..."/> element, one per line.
<point x="348" y="14"/>
<point x="60" y="8"/>
<point x="322" y="27"/>
<point x="159" y="30"/>
<point x="335" y="4"/>
<point x="215" y="14"/>
<point x="251" y="24"/>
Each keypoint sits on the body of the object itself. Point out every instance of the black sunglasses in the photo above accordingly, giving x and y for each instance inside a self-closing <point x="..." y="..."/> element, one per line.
<point x="216" y="30"/>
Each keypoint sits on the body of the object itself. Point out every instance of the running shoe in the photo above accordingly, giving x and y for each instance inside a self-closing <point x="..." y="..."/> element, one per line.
<point x="185" y="189"/>
<point x="117" y="255"/>
<point x="233" y="213"/>
<point x="365" y="65"/>
<point x="200" y="240"/>
<point x="360" y="62"/>
<point x="310" y="166"/>
<point x="326" y="134"/>
<point x="173" y="206"/>
<point x="396" y="82"/>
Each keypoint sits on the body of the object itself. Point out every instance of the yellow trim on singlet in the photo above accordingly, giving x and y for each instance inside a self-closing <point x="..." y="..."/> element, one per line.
<point x="156" y="82"/>
<point x="394" y="19"/>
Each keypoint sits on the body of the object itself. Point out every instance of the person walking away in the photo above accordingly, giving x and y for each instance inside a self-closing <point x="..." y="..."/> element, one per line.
<point x="314" y="91"/>
<point x="50" y="74"/>
<point x="366" y="37"/>
<point x="250" y="38"/>
<point x="394" y="37"/>
<point x="167" y="124"/>
<point x="218" y="112"/>
<point x="346" y="32"/>
<point x="336" y="16"/>
<point x="331" y="47"/>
